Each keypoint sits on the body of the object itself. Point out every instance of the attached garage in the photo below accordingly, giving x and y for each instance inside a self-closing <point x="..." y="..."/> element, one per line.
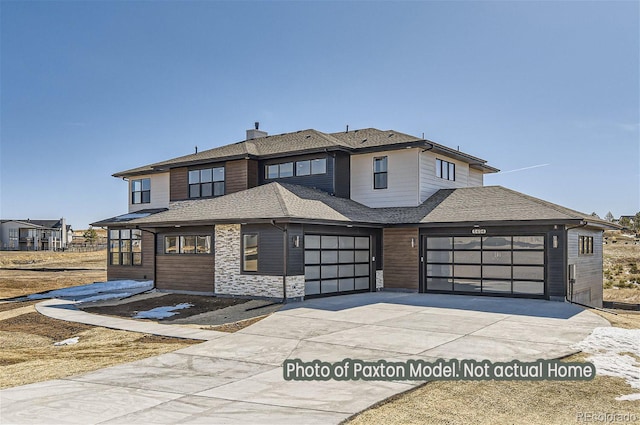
<point x="509" y="265"/>
<point x="336" y="264"/>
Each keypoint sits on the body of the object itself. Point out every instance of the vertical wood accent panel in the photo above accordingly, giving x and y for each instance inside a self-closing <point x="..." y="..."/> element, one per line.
<point x="179" y="184"/>
<point x="401" y="261"/>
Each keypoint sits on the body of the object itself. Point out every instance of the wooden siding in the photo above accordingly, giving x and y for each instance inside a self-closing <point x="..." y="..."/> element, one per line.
<point x="319" y="181"/>
<point x="185" y="272"/>
<point x="588" y="285"/>
<point x="179" y="184"/>
<point x="159" y="192"/>
<point x="401" y="261"/>
<point x="402" y="179"/>
<point x="236" y="176"/>
<point x="144" y="272"/>
<point x="252" y="173"/>
<point x="430" y="184"/>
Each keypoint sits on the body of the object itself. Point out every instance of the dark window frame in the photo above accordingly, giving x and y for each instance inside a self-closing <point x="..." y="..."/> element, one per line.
<point x="145" y="194"/>
<point x="445" y="170"/>
<point x="244" y="255"/>
<point x="585" y="245"/>
<point x="295" y="169"/>
<point x="377" y="175"/>
<point x="129" y="257"/>
<point x="196" y="187"/>
<point x="180" y="244"/>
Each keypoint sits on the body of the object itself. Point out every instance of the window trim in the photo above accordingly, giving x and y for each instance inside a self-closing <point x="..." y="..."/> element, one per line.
<point x="445" y="170"/>
<point x="130" y="253"/>
<point x="244" y="254"/>
<point x="295" y="168"/>
<point x="585" y="245"/>
<point x="377" y="173"/>
<point x="141" y="191"/>
<point x="213" y="182"/>
<point x="179" y="244"/>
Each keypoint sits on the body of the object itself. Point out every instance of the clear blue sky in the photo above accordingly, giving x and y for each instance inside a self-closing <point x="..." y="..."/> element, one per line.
<point x="91" y="88"/>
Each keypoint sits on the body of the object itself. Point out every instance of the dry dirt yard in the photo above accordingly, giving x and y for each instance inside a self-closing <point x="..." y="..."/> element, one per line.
<point x="621" y="268"/>
<point x="23" y="273"/>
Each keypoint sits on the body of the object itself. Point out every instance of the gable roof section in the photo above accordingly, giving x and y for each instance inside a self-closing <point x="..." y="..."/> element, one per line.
<point x="307" y="141"/>
<point x="280" y="201"/>
<point x="487" y="204"/>
<point x="267" y="202"/>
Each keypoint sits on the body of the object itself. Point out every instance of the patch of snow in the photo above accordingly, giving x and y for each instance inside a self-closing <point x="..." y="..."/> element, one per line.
<point x="69" y="341"/>
<point x="161" y="312"/>
<point x="629" y="397"/>
<point x="95" y="288"/>
<point x="606" y="346"/>
<point x="107" y="296"/>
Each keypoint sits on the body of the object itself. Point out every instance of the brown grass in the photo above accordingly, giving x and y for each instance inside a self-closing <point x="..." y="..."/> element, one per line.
<point x="621" y="268"/>
<point x="16" y="283"/>
<point x="235" y="326"/>
<point x="27" y="353"/>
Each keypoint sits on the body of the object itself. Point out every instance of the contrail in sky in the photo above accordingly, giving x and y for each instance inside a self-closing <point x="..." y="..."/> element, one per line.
<point x="522" y="169"/>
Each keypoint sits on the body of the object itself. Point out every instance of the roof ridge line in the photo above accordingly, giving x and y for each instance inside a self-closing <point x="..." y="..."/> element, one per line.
<point x="283" y="205"/>
<point x="562" y="210"/>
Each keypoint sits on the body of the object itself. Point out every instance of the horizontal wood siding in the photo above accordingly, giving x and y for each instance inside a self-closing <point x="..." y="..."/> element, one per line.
<point x="402" y="179"/>
<point x="252" y="173"/>
<point x="430" y="184"/>
<point x="144" y="272"/>
<point x="401" y="261"/>
<point x="318" y="181"/>
<point x="236" y="176"/>
<point x="193" y="273"/>
<point x="159" y="192"/>
<point x="179" y="184"/>
<point x="588" y="286"/>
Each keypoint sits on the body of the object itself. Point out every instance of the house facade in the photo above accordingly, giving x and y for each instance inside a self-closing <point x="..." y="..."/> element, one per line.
<point x="35" y="235"/>
<point x="309" y="214"/>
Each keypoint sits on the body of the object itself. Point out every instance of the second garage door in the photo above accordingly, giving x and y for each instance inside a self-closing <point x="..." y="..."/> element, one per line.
<point x="336" y="264"/>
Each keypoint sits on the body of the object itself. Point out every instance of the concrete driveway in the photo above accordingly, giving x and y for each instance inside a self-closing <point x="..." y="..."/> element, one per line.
<point x="237" y="378"/>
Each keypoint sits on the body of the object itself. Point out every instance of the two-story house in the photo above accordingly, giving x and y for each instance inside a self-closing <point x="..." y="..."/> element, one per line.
<point x="308" y="214"/>
<point x="35" y="235"/>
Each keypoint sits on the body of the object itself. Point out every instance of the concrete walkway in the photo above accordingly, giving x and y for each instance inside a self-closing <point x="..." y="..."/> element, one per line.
<point x="237" y="378"/>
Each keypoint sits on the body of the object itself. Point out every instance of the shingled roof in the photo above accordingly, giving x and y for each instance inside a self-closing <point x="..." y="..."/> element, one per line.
<point x="305" y="141"/>
<point x="279" y="201"/>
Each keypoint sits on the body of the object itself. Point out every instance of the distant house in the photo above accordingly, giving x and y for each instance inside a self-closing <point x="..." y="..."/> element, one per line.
<point x="630" y="219"/>
<point x="308" y="214"/>
<point x="35" y="235"/>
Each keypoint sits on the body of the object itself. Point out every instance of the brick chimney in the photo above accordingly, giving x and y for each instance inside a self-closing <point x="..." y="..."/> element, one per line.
<point x="255" y="133"/>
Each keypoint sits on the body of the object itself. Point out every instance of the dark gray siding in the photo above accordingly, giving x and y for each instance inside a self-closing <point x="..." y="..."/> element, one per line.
<point x="588" y="284"/>
<point x="343" y="175"/>
<point x="556" y="269"/>
<point x="319" y="181"/>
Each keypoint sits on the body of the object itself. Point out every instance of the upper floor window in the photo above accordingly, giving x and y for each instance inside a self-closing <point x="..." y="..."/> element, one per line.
<point x="188" y="244"/>
<point x="141" y="191"/>
<point x="206" y="182"/>
<point x="585" y="245"/>
<point x="125" y="247"/>
<point x="380" y="172"/>
<point x="445" y="170"/>
<point x="305" y="167"/>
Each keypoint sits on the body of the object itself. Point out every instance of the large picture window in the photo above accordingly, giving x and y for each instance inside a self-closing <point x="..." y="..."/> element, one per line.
<point x="141" y="191"/>
<point x="445" y="170"/>
<point x="250" y="253"/>
<point x="125" y="247"/>
<point x="187" y="244"/>
<point x="206" y="182"/>
<point x="380" y="173"/>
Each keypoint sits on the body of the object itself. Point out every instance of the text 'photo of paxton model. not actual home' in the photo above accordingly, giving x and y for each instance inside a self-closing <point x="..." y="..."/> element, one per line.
<point x="308" y="214"/>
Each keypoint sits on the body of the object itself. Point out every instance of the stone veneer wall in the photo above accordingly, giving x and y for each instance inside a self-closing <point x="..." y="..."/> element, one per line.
<point x="379" y="280"/>
<point x="230" y="281"/>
